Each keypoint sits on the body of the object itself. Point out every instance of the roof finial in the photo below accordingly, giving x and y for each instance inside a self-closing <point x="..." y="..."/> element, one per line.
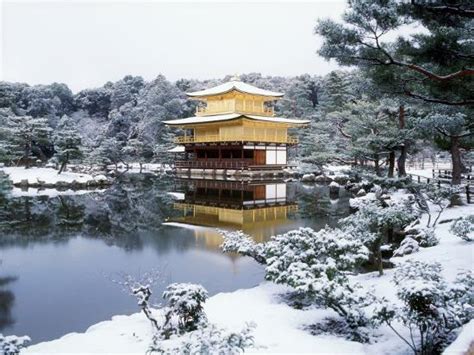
<point x="236" y="77"/>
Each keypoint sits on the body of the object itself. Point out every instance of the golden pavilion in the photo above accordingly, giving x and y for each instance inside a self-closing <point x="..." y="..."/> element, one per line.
<point x="234" y="130"/>
<point x="260" y="209"/>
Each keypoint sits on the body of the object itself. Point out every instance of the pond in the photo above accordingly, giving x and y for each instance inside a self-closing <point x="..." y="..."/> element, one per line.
<point x="61" y="256"/>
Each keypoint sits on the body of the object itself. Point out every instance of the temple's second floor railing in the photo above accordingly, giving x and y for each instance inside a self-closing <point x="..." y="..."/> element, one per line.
<point x="215" y="163"/>
<point x="288" y="139"/>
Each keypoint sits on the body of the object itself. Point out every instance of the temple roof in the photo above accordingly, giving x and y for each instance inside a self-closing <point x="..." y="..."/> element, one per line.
<point x="177" y="149"/>
<point x="235" y="85"/>
<point x="233" y="116"/>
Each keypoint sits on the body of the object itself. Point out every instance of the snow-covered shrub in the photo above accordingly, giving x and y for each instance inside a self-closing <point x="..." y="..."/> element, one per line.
<point x="12" y="344"/>
<point x="407" y="246"/>
<point x="239" y="242"/>
<point x="431" y="308"/>
<point x="308" y="260"/>
<point x="140" y="287"/>
<point x="374" y="220"/>
<point x="210" y="340"/>
<point x="184" y="312"/>
<point x="395" y="182"/>
<point x="315" y="265"/>
<point x="427" y="238"/>
<point x="441" y="197"/>
<point x="464" y="228"/>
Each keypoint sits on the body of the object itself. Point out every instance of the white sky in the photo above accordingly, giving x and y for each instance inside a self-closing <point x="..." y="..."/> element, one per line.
<point x="87" y="43"/>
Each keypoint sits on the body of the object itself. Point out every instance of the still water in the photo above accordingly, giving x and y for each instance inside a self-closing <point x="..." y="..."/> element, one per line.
<point x="60" y="255"/>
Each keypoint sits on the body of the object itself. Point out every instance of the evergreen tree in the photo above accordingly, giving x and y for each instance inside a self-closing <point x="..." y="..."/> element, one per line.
<point x="137" y="150"/>
<point x="67" y="142"/>
<point x="433" y="66"/>
<point x="452" y="131"/>
<point x="25" y="137"/>
<point x="108" y="152"/>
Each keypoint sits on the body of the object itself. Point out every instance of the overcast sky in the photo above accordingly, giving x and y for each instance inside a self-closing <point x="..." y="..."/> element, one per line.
<point x="87" y="43"/>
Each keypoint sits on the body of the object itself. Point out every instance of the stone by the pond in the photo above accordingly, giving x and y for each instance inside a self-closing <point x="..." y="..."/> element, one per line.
<point x="341" y="179"/>
<point x="322" y="178"/>
<point x="361" y="193"/>
<point x="334" y="188"/>
<point x="101" y="179"/>
<point x="308" y="178"/>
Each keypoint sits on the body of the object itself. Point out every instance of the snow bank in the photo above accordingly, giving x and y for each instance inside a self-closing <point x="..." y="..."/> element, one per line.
<point x="464" y="344"/>
<point x="49" y="177"/>
<point x="279" y="327"/>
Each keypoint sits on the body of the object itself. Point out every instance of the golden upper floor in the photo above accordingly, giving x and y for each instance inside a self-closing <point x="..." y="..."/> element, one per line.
<point x="240" y="130"/>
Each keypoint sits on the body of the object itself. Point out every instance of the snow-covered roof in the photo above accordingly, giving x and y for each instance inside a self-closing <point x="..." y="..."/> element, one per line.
<point x="232" y="116"/>
<point x="234" y="85"/>
<point x="177" y="149"/>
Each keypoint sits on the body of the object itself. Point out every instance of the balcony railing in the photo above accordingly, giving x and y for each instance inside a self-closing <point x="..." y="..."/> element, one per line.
<point x="214" y="163"/>
<point x="266" y="111"/>
<point x="237" y="138"/>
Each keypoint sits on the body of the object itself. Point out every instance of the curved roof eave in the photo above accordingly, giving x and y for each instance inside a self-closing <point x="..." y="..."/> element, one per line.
<point x="220" y="118"/>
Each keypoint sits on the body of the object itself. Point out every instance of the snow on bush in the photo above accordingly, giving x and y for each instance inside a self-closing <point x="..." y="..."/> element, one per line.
<point x="184" y="312"/>
<point x="427" y="238"/>
<point x="441" y="197"/>
<point x="239" y="242"/>
<point x="12" y="344"/>
<point x="407" y="246"/>
<point x="315" y="265"/>
<point x="388" y="183"/>
<point x="374" y="220"/>
<point x="431" y="308"/>
<point x="210" y="340"/>
<point x="464" y="228"/>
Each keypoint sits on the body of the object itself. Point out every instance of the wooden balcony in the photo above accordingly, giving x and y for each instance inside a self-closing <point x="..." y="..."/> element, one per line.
<point x="215" y="163"/>
<point x="289" y="139"/>
<point x="205" y="111"/>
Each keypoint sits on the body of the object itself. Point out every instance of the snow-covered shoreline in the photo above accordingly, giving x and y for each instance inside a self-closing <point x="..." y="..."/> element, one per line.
<point x="48" y="178"/>
<point x="281" y="328"/>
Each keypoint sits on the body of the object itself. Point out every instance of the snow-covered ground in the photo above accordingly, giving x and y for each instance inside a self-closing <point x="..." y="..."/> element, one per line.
<point x="46" y="175"/>
<point x="45" y="181"/>
<point x="281" y="328"/>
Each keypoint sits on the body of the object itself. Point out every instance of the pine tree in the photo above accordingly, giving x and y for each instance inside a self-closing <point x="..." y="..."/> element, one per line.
<point x="25" y="135"/>
<point x="108" y="152"/>
<point x="67" y="142"/>
<point x="137" y="150"/>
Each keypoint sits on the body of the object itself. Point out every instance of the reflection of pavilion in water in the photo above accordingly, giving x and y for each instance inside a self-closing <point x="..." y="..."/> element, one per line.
<point x="257" y="208"/>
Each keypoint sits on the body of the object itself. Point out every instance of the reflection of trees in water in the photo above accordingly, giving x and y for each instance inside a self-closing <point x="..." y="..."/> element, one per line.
<point x="314" y="202"/>
<point x="129" y="214"/>
<point x="6" y="302"/>
<point x="135" y="203"/>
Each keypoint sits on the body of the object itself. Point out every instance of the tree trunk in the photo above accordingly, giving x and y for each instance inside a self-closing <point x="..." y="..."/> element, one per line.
<point x="391" y="164"/>
<point x="63" y="164"/>
<point x="456" y="161"/>
<point x="401" y="161"/>
<point x="378" y="255"/>
<point x="377" y="165"/>
<point x="403" y="148"/>
<point x="141" y="167"/>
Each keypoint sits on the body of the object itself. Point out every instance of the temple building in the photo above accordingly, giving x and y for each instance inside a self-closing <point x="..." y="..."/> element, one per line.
<point x="234" y="131"/>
